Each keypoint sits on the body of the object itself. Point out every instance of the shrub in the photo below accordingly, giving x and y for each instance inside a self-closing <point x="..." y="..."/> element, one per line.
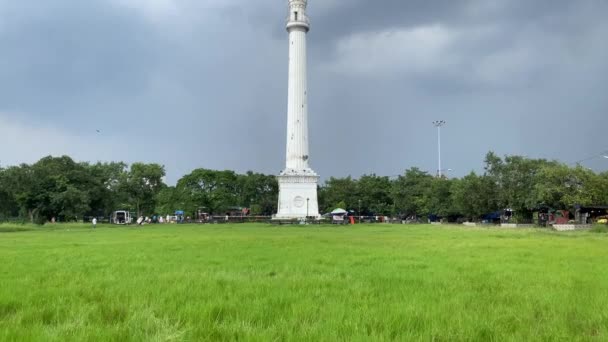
<point x="40" y="220"/>
<point x="600" y="228"/>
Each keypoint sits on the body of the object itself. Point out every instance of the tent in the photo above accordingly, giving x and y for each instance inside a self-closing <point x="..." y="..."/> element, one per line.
<point x="338" y="215"/>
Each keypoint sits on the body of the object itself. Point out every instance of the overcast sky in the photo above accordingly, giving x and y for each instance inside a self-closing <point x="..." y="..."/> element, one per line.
<point x="203" y="83"/>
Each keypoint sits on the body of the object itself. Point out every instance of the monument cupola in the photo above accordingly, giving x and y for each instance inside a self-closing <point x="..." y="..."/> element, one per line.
<point x="297" y="15"/>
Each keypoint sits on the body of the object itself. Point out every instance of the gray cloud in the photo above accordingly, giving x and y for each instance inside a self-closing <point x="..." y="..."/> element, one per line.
<point x="203" y="83"/>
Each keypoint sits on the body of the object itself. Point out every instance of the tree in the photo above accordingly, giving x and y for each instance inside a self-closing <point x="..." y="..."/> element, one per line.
<point x="493" y="166"/>
<point x="374" y="192"/>
<point x="515" y="177"/>
<point x="141" y="184"/>
<point x="51" y="187"/>
<point x="8" y="204"/>
<point x="62" y="188"/>
<point x="474" y="196"/>
<point x="259" y="192"/>
<point x="70" y="203"/>
<point x="603" y="185"/>
<point x="338" y="191"/>
<point x="410" y="193"/>
<point x="440" y="199"/>
<point x="563" y="187"/>
<point x="214" y="190"/>
<point x="106" y="188"/>
<point x="18" y="184"/>
<point x="168" y="200"/>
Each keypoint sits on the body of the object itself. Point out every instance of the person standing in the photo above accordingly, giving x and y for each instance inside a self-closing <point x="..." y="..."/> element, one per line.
<point x="94" y="221"/>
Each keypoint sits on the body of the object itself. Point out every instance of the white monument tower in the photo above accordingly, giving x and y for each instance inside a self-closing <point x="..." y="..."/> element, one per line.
<point x="297" y="182"/>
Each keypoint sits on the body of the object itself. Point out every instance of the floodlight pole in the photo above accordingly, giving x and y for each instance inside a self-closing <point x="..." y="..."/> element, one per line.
<point x="438" y="124"/>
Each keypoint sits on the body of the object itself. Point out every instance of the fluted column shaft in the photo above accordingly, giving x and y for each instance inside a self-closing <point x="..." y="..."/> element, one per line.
<point x="297" y="104"/>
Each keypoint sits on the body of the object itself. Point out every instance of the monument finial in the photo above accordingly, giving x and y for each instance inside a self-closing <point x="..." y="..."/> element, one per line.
<point x="297" y="15"/>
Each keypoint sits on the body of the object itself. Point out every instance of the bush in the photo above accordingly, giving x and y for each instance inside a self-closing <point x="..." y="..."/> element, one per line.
<point x="13" y="228"/>
<point x="40" y="220"/>
<point x="600" y="228"/>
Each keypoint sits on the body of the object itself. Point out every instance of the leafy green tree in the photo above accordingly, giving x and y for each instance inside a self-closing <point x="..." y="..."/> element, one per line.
<point x="213" y="190"/>
<point x="8" y="204"/>
<point x="169" y="199"/>
<point x="603" y="185"/>
<point x="515" y="178"/>
<point x="439" y="197"/>
<point x="17" y="184"/>
<point x="474" y="196"/>
<point x="51" y="187"/>
<point x="411" y="193"/>
<point x="337" y="191"/>
<point x="563" y="187"/>
<point x="106" y="188"/>
<point x="494" y="166"/>
<point x="374" y="192"/>
<point x="259" y="192"/>
<point x="141" y="184"/>
<point x="70" y="202"/>
<point x="63" y="188"/>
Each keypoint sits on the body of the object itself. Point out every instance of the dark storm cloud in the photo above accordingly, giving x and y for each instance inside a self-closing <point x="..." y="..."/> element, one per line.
<point x="59" y="54"/>
<point x="203" y="83"/>
<point x="367" y="16"/>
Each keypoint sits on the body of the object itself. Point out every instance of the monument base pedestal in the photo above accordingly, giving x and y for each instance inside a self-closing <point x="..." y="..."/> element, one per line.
<point x="297" y="195"/>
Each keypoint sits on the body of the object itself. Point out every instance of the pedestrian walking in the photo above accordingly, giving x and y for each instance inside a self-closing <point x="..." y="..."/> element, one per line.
<point x="94" y="221"/>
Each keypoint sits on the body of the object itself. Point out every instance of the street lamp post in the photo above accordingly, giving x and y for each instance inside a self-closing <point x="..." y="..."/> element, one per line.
<point x="439" y="124"/>
<point x="359" y="211"/>
<point x="306" y="220"/>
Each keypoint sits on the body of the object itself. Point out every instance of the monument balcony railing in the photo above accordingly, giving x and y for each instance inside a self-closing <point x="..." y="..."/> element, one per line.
<point x="300" y="20"/>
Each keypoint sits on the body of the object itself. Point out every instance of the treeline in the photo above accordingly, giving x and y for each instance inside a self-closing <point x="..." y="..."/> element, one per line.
<point x="59" y="187"/>
<point x="67" y="190"/>
<point x="514" y="182"/>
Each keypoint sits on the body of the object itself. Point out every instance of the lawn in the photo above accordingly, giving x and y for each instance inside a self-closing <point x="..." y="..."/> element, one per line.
<point x="258" y="282"/>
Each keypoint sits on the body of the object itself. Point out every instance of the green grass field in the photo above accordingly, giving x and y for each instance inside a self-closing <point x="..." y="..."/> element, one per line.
<point x="257" y="282"/>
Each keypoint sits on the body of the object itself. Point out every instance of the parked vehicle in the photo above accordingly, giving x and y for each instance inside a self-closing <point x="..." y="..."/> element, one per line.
<point x="121" y="217"/>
